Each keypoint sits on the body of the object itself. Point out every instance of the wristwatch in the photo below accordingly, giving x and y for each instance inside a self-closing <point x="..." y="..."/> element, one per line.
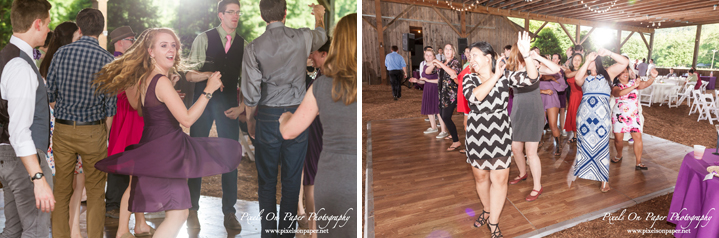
<point x="207" y="95"/>
<point x="36" y="176"/>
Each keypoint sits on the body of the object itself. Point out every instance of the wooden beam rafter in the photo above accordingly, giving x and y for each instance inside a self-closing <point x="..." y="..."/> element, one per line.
<point x="446" y="21"/>
<point x="587" y="36"/>
<point x="397" y="17"/>
<point x="541" y="27"/>
<point x="568" y="35"/>
<point x="531" y="16"/>
<point x="625" y="40"/>
<point x="370" y="23"/>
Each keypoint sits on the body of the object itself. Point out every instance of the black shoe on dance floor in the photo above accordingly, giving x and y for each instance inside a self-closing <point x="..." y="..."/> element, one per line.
<point x="232" y="223"/>
<point x="395" y="98"/>
<point x="641" y="167"/>
<point x="113" y="213"/>
<point x="496" y="233"/>
<point x="481" y="220"/>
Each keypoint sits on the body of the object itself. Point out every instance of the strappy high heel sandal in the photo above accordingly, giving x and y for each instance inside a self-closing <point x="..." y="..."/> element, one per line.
<point x="496" y="233"/>
<point x="481" y="220"/>
<point x="558" y="147"/>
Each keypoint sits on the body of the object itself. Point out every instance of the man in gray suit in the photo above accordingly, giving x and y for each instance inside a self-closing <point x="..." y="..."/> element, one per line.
<point x="273" y="82"/>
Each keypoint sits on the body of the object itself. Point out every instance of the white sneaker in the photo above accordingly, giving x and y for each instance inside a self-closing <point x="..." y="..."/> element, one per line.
<point x="442" y="135"/>
<point x="426" y="119"/>
<point x="564" y="133"/>
<point x="430" y="130"/>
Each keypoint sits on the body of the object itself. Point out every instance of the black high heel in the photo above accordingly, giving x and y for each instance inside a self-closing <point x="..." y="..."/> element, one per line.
<point x="496" y="233"/>
<point x="481" y="220"/>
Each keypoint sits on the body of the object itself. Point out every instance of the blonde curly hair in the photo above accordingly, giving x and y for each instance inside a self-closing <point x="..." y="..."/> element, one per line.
<point x="135" y="66"/>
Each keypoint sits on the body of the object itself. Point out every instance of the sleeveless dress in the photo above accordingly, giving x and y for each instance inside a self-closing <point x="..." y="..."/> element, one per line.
<point x="335" y="189"/>
<point x="489" y="129"/>
<point x="575" y="98"/>
<point x="430" y="93"/>
<point x="165" y="157"/>
<point x="527" y="114"/>
<point x="314" y="145"/>
<point x="625" y="114"/>
<point x="593" y="126"/>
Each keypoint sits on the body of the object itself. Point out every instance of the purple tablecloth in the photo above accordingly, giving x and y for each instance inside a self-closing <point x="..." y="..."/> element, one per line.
<point x="711" y="80"/>
<point x="694" y="198"/>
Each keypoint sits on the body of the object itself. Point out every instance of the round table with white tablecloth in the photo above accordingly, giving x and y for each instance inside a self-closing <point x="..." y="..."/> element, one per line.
<point x="659" y="90"/>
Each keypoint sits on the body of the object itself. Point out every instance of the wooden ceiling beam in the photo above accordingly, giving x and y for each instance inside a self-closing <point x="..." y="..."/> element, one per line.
<point x="552" y="4"/>
<point x="397" y="17"/>
<point x="664" y="8"/>
<point x="668" y="14"/>
<point x="587" y="36"/>
<point x="580" y="8"/>
<point x="574" y="42"/>
<point x="625" y="40"/>
<point x="541" y="27"/>
<point x="509" y="3"/>
<point x="446" y="21"/>
<point x="531" y="16"/>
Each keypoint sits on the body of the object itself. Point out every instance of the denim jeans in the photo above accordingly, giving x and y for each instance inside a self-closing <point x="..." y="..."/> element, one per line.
<point x="272" y="150"/>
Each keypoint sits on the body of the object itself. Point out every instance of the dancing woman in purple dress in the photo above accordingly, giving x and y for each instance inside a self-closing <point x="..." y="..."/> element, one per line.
<point x="165" y="156"/>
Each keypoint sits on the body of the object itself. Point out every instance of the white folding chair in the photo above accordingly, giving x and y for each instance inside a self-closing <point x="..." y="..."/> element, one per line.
<point x="684" y="95"/>
<point x="709" y="109"/>
<point x="673" y="95"/>
<point x="697" y="104"/>
<point x="645" y="96"/>
<point x="703" y="87"/>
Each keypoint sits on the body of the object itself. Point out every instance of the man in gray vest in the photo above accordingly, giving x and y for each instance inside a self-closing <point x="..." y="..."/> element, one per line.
<point x="25" y="125"/>
<point x="273" y="79"/>
<point x="642" y="68"/>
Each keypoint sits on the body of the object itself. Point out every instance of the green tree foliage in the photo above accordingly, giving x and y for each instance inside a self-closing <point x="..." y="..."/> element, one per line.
<point x="138" y="15"/>
<point x="547" y="42"/>
<point x="62" y="10"/>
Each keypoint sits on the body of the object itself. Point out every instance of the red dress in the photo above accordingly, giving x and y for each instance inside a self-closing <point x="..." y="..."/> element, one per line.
<point x="570" y="124"/>
<point x="126" y="126"/>
<point x="462" y="104"/>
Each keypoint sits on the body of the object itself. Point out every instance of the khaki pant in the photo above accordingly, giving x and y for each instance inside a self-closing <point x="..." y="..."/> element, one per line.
<point x="90" y="142"/>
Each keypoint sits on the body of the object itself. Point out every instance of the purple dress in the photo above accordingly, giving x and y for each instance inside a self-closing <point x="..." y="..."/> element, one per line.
<point x="165" y="157"/>
<point x="551" y="101"/>
<point x="314" y="146"/>
<point x="430" y="94"/>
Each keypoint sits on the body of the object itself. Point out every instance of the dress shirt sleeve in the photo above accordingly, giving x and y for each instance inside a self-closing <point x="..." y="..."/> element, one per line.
<point x="198" y="51"/>
<point x="251" y="77"/>
<point x="314" y="38"/>
<point x="20" y="94"/>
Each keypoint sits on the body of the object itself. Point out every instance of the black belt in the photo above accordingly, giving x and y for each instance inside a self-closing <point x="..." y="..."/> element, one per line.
<point x="78" y="123"/>
<point x="295" y="106"/>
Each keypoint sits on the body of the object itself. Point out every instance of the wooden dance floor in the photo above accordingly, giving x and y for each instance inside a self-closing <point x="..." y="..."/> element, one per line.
<point x="210" y="216"/>
<point x="420" y="190"/>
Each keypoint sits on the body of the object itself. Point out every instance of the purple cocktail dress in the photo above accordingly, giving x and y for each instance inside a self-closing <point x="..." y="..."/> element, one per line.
<point x="165" y="157"/>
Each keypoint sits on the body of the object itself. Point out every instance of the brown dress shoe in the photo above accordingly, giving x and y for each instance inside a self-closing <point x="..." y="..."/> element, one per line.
<point x="192" y="221"/>
<point x="232" y="223"/>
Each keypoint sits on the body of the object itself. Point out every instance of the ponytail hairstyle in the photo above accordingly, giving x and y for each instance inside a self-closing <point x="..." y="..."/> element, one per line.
<point x="486" y="49"/>
<point x="515" y="59"/>
<point x="601" y="70"/>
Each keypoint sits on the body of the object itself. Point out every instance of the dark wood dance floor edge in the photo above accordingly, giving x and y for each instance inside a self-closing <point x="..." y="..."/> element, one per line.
<point x="629" y="187"/>
<point x="369" y="197"/>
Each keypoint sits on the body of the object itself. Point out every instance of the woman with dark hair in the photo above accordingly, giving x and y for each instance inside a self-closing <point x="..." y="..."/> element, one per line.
<point x="448" y="71"/>
<point x="593" y="118"/>
<point x="626" y="114"/>
<point x="575" y="95"/>
<point x="65" y="33"/>
<point x="694" y="77"/>
<point x="489" y="134"/>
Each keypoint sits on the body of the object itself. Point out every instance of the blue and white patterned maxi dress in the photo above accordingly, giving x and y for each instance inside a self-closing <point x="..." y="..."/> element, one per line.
<point x="593" y="128"/>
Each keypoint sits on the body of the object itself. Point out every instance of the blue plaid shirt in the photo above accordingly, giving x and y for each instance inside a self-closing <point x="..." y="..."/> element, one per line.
<point x="69" y="81"/>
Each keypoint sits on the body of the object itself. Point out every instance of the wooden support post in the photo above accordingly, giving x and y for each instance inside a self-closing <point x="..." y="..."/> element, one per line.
<point x="651" y="46"/>
<point x="526" y="24"/>
<point x="645" y="40"/>
<point x="380" y="40"/>
<point x="578" y="35"/>
<point x="696" y="45"/>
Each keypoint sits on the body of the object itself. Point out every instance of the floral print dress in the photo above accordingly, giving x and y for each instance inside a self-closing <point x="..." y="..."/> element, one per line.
<point x="447" y="86"/>
<point x="625" y="114"/>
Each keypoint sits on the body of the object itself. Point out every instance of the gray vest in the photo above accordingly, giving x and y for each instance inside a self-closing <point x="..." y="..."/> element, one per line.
<point x="40" y="128"/>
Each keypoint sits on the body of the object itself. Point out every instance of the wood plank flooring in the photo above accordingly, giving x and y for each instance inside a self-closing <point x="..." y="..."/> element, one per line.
<point x="421" y="190"/>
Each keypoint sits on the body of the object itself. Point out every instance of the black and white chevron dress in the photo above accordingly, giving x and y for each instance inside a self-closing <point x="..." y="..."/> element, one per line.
<point x="489" y="134"/>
